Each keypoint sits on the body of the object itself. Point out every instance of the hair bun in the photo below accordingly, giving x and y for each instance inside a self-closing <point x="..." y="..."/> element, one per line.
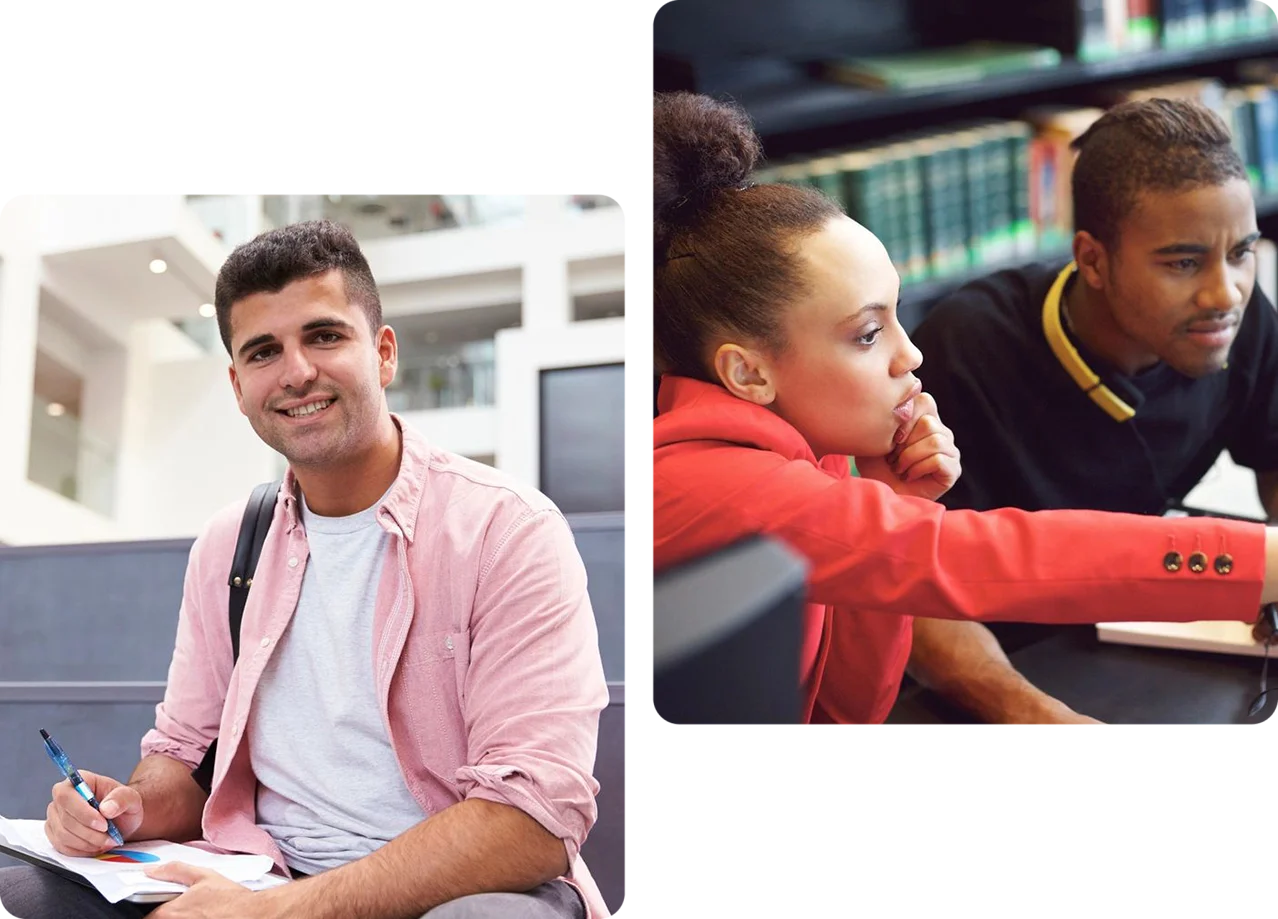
<point x="700" y="148"/>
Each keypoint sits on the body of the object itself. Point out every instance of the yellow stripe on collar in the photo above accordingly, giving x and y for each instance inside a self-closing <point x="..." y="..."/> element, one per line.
<point x="1086" y="378"/>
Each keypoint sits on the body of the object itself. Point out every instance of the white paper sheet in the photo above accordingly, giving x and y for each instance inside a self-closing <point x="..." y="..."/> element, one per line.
<point x="119" y="873"/>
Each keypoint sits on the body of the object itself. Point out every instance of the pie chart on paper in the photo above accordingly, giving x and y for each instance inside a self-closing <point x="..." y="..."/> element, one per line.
<point x="127" y="856"/>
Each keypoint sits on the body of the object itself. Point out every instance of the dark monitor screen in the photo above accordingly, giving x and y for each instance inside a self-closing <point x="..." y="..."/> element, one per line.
<point x="583" y="438"/>
<point x="727" y="636"/>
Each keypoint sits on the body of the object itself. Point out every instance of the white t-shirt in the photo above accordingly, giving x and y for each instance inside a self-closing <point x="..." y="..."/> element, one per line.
<point x="330" y="790"/>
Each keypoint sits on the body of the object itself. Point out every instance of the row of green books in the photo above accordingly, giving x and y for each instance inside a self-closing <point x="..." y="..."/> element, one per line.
<point x="1188" y="23"/>
<point x="1252" y="114"/>
<point x="942" y="204"/>
<point x="987" y="193"/>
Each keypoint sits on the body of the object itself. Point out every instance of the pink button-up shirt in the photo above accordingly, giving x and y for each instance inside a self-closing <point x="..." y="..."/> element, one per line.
<point x="486" y="653"/>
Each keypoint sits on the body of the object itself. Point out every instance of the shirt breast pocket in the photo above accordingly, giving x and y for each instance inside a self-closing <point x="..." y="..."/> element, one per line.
<point x="433" y="674"/>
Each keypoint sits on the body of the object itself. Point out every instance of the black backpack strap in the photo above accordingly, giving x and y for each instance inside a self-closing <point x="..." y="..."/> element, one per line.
<point x="254" y="526"/>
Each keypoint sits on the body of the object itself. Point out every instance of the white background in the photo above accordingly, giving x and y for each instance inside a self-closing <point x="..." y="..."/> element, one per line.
<point x="555" y="97"/>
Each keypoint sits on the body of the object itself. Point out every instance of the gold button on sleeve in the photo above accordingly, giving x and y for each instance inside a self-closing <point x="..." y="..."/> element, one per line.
<point x="1172" y="561"/>
<point x="1224" y="563"/>
<point x="1198" y="562"/>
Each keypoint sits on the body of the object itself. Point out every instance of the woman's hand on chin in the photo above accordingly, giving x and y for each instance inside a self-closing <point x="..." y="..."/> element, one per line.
<point x="924" y="463"/>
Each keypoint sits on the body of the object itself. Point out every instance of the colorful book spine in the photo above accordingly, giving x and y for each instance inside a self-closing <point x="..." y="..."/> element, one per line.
<point x="823" y="174"/>
<point x="1049" y="200"/>
<point x="1116" y="25"/>
<point x="1241" y="10"/>
<point x="913" y="226"/>
<point x="1219" y="16"/>
<point x="1019" y="135"/>
<point x="893" y="211"/>
<point x="1093" y="36"/>
<point x="943" y="192"/>
<point x="1265" y="125"/>
<point x="1239" y="116"/>
<point x="1002" y="169"/>
<point x="1174" y="24"/>
<point x="1255" y="161"/>
<point x="976" y="198"/>
<point x="1142" y="25"/>
<point x="935" y="226"/>
<point x="991" y="169"/>
<point x="952" y="159"/>
<point x="1196" y="22"/>
<point x="862" y="174"/>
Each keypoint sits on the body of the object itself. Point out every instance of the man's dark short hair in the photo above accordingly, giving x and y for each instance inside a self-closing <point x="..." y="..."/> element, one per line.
<point x="1162" y="145"/>
<point x="272" y="260"/>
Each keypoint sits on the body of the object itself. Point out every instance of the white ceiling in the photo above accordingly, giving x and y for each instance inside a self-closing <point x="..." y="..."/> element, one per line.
<point x="118" y="279"/>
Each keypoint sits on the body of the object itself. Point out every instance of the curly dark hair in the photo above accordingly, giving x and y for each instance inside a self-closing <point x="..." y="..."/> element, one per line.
<point x="272" y="260"/>
<point x="725" y="251"/>
<point x="1149" y="145"/>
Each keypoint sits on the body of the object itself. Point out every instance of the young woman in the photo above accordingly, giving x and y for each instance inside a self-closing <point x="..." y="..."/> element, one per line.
<point x="776" y="331"/>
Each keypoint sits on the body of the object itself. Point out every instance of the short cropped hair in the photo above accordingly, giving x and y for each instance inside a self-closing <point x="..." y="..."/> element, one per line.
<point x="272" y="260"/>
<point x="1164" y="145"/>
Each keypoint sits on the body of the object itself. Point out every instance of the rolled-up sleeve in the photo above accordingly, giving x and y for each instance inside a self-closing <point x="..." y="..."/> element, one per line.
<point x="535" y="686"/>
<point x="186" y="722"/>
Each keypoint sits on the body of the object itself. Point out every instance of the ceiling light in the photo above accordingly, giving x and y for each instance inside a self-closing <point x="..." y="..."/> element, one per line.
<point x="159" y="266"/>
<point x="207" y="310"/>
<point x="56" y="409"/>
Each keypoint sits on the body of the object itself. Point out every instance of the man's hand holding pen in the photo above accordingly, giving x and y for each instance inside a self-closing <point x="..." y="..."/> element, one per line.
<point x="75" y="828"/>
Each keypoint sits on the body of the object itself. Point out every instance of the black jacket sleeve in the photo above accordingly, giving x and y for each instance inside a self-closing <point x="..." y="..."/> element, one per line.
<point x="1254" y="441"/>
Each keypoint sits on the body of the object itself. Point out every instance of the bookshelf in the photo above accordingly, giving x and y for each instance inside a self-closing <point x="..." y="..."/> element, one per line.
<point x="810" y="104"/>
<point x="766" y="58"/>
<point x="917" y="298"/>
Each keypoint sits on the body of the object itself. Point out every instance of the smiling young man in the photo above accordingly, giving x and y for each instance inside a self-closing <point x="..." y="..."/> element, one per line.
<point x="1113" y="382"/>
<point x="411" y="724"/>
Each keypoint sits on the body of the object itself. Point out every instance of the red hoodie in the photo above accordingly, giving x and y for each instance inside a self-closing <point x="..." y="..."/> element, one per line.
<point x="725" y="468"/>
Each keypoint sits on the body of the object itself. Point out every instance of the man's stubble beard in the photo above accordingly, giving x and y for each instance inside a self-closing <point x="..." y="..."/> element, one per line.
<point x="339" y="443"/>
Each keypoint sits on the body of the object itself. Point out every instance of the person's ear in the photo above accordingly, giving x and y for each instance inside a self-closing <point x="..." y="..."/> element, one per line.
<point x="1092" y="259"/>
<point x="745" y="373"/>
<point x="387" y="355"/>
<point x="235" y="385"/>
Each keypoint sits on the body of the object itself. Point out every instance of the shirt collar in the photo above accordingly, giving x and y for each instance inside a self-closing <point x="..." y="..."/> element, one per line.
<point x="398" y="508"/>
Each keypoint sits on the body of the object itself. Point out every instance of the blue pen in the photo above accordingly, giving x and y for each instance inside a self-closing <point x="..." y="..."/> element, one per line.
<point x="73" y="776"/>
